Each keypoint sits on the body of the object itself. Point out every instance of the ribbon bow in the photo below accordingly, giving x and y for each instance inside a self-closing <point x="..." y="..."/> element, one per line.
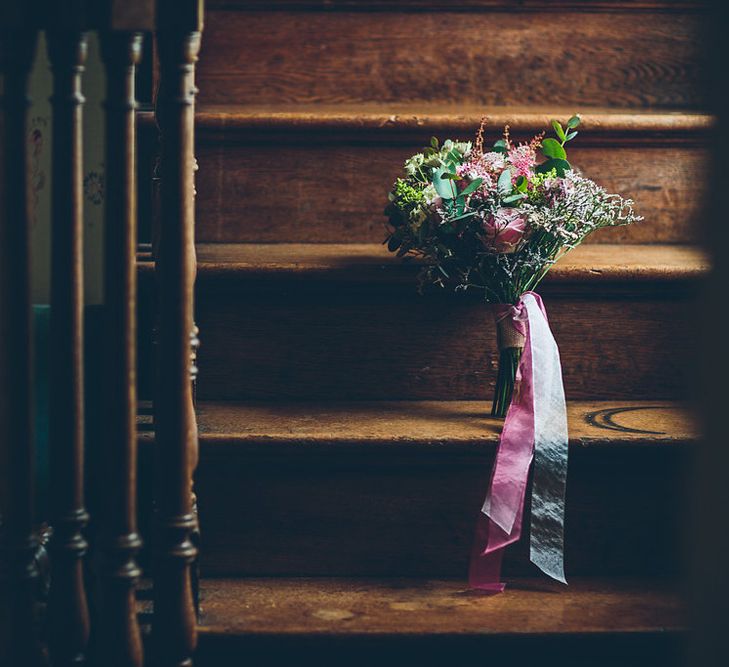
<point x="535" y="429"/>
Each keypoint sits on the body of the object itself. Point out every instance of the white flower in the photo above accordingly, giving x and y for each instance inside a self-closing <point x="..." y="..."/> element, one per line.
<point x="414" y="163"/>
<point x="431" y="194"/>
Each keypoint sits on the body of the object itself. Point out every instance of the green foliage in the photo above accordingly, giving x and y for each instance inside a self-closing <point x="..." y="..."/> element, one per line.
<point x="553" y="149"/>
<point x="504" y="185"/>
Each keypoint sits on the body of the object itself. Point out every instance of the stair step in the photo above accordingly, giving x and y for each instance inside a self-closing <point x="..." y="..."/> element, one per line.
<point x="482" y="56"/>
<point x="394" y="488"/>
<point x="321" y="173"/>
<point x="344" y="322"/>
<point x="435" y="622"/>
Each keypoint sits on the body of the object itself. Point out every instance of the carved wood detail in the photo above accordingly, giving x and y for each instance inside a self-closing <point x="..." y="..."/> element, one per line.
<point x="174" y="622"/>
<point x="120" y="542"/>
<point x="68" y="608"/>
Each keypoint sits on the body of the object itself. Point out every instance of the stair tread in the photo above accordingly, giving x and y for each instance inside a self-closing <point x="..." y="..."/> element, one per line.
<point x="457" y="117"/>
<point x="331" y="606"/>
<point x="464" y="425"/>
<point x="366" y="261"/>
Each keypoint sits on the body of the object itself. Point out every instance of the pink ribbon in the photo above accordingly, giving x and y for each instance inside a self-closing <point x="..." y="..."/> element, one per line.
<point x="499" y="523"/>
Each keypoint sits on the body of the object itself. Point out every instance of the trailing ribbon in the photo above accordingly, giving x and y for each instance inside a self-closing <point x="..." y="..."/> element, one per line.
<point x="535" y="429"/>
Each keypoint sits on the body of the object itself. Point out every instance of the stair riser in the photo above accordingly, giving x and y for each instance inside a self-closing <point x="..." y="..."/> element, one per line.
<point x="369" y="511"/>
<point x="616" y="59"/>
<point x="347" y="342"/>
<point x="314" y="189"/>
<point x="634" y="649"/>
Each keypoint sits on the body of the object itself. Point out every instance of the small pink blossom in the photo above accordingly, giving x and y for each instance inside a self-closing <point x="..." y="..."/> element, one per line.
<point x="504" y="230"/>
<point x="523" y="158"/>
<point x="472" y="170"/>
<point x="494" y="162"/>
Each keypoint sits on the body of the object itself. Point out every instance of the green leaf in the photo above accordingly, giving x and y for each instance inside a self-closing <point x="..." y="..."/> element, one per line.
<point x="434" y="142"/>
<point x="514" y="198"/>
<point x="453" y="177"/>
<point x="443" y="186"/>
<point x="470" y="214"/>
<point x="561" y="166"/>
<point x="558" y="130"/>
<point x="500" y="146"/>
<point x="504" y="185"/>
<point x="573" y="122"/>
<point x="474" y="185"/>
<point x="552" y="149"/>
<point x="521" y="184"/>
<point x="571" y="136"/>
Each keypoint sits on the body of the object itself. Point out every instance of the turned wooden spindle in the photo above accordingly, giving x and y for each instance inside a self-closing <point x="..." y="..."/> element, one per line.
<point x="174" y="623"/>
<point x="19" y="638"/>
<point x="120" y="644"/>
<point x="68" y="609"/>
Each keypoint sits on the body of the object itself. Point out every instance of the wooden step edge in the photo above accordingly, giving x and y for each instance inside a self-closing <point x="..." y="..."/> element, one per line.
<point x="464" y="5"/>
<point x="446" y="427"/>
<point x="406" y="607"/>
<point x="628" y="264"/>
<point x="412" y="123"/>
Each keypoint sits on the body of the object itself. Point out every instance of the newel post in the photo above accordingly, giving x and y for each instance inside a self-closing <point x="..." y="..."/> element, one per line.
<point x="19" y="637"/>
<point x="179" y="25"/>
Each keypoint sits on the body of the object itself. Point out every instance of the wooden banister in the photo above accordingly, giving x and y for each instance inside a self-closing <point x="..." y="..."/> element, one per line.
<point x="68" y="608"/>
<point x="178" y="40"/>
<point x="19" y="638"/>
<point x="120" y="23"/>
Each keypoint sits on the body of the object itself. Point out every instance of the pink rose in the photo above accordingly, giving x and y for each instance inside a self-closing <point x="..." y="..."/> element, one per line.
<point x="504" y="230"/>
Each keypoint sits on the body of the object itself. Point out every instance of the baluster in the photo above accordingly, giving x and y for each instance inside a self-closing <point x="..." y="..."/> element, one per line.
<point x="68" y="609"/>
<point x="121" y="47"/>
<point x="178" y="39"/>
<point x="19" y="641"/>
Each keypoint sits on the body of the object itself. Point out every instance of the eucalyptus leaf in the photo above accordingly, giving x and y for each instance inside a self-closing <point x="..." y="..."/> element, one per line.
<point x="573" y="122"/>
<point x="552" y="149"/>
<point x="514" y="198"/>
<point x="571" y="136"/>
<point x="504" y="185"/>
<point x="558" y="129"/>
<point x="500" y="146"/>
<point x="474" y="185"/>
<point x="444" y="187"/>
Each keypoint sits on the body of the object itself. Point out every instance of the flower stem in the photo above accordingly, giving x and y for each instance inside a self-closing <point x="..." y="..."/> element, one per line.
<point x="505" y="378"/>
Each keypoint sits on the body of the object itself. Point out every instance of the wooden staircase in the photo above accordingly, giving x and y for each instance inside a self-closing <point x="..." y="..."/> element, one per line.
<point x="345" y="445"/>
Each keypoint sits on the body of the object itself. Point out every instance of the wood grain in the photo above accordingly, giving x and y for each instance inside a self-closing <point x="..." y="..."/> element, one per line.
<point x="351" y="488"/>
<point x="174" y="624"/>
<point x="120" y="541"/>
<point x="304" y="320"/>
<point x="487" y="5"/>
<point x="308" y="606"/>
<point x="396" y="622"/>
<point x="69" y="626"/>
<point x="497" y="58"/>
<point x="338" y="163"/>
<point x="368" y="263"/>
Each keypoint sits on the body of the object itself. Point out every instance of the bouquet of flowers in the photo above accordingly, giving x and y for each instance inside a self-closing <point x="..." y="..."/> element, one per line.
<point x="496" y="221"/>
